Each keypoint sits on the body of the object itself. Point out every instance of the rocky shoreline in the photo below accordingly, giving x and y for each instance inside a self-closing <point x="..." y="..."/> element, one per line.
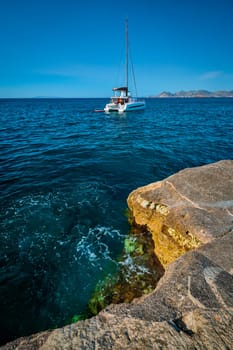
<point x="190" y="217"/>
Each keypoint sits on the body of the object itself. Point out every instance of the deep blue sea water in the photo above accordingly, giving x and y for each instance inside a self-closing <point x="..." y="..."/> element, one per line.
<point x="66" y="172"/>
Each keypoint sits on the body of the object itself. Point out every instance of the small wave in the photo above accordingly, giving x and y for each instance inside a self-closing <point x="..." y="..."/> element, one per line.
<point x="131" y="268"/>
<point x="97" y="244"/>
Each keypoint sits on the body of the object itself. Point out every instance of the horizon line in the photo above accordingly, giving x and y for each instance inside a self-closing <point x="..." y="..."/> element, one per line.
<point x="148" y="96"/>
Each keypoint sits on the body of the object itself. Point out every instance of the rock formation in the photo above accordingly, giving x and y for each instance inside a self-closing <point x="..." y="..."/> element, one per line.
<point x="187" y="209"/>
<point x="190" y="216"/>
<point x="195" y="93"/>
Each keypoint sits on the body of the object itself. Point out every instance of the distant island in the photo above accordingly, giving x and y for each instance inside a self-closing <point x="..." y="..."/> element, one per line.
<point x="194" y="94"/>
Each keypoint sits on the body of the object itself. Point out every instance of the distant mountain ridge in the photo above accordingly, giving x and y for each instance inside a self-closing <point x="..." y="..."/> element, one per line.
<point x="196" y="93"/>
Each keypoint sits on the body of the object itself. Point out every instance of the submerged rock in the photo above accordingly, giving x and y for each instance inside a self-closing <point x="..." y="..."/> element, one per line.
<point x="192" y="305"/>
<point x="138" y="273"/>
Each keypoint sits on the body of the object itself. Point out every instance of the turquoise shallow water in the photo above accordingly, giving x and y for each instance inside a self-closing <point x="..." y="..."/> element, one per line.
<point x="65" y="175"/>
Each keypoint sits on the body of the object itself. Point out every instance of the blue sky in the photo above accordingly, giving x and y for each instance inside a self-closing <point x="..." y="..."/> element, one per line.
<point x="73" y="48"/>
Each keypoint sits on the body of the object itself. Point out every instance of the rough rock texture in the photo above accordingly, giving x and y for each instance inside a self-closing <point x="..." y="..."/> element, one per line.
<point x="187" y="209"/>
<point x="192" y="305"/>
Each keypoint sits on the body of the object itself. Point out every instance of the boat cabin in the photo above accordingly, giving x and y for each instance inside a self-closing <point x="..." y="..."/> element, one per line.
<point x="120" y="95"/>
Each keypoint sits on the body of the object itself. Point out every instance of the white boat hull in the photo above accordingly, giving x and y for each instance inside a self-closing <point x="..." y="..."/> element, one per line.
<point x="126" y="107"/>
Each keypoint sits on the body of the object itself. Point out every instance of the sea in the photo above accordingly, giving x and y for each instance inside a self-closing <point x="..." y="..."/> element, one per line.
<point x="66" y="173"/>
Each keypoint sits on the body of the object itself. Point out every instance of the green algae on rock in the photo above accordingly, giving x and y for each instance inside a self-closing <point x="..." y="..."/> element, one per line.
<point x="138" y="273"/>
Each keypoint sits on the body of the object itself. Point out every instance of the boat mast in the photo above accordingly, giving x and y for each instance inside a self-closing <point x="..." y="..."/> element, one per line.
<point x="127" y="49"/>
